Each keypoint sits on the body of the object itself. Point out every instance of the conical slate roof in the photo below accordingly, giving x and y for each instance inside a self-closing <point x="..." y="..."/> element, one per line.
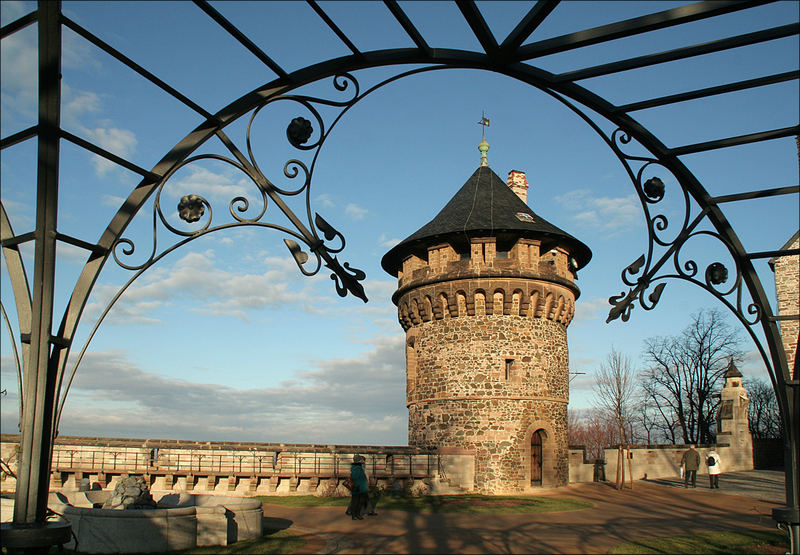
<point x="484" y="207"/>
<point x="732" y="371"/>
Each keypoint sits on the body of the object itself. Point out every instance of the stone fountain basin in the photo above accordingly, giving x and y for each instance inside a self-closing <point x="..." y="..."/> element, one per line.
<point x="181" y="521"/>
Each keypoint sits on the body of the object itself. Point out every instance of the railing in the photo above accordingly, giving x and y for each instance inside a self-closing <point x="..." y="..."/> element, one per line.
<point x="233" y="463"/>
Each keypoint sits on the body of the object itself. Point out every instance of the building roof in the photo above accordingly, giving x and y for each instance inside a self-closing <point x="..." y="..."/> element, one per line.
<point x="484" y="207"/>
<point x="732" y="371"/>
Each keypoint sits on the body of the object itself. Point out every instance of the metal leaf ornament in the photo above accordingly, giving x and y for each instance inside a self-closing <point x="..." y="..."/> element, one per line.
<point x="299" y="256"/>
<point x="346" y="281"/>
<point x="656" y="294"/>
<point x="622" y="306"/>
<point x="327" y="229"/>
<point x="635" y="266"/>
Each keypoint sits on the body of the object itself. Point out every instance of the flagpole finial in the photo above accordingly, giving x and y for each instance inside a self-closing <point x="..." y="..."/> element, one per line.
<point x="483" y="146"/>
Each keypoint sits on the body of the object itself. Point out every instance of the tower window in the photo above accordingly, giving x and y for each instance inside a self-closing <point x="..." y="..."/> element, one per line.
<point x="509" y="365"/>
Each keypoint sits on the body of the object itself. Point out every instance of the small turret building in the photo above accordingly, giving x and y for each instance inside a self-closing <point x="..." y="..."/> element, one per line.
<point x="485" y="293"/>
<point x="733" y="423"/>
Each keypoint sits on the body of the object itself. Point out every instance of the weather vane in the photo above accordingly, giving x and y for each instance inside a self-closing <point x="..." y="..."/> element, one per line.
<point x="484" y="123"/>
<point x="483" y="147"/>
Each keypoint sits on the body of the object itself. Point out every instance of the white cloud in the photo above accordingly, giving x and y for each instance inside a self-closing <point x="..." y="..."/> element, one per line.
<point x="76" y="104"/>
<point x="65" y="251"/>
<point x="224" y="184"/>
<point x="380" y="289"/>
<point x="355" y="211"/>
<point x="78" y="53"/>
<point x="358" y="400"/>
<point x="121" y="142"/>
<point x="605" y="214"/>
<point x="112" y="200"/>
<point x="594" y="308"/>
<point x="18" y="63"/>
<point x="20" y="214"/>
<point x="752" y="366"/>
<point x="387" y="242"/>
<point x="13" y="10"/>
<point x="196" y="276"/>
<point x="324" y="200"/>
<point x="77" y="107"/>
<point x="18" y="69"/>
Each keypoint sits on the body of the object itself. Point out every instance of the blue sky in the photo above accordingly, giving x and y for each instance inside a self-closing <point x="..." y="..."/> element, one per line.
<point x="224" y="339"/>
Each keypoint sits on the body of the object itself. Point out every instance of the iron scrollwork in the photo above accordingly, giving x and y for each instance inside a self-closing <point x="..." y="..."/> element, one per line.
<point x="315" y="234"/>
<point x="642" y="275"/>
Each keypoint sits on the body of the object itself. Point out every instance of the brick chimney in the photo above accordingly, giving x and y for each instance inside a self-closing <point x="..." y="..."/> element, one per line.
<point x="519" y="184"/>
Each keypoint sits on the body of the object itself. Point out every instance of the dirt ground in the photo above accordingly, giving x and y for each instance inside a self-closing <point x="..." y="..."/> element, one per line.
<point x="648" y="510"/>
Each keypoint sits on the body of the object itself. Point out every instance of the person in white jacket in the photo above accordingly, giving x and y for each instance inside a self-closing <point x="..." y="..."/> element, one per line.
<point x="714" y="468"/>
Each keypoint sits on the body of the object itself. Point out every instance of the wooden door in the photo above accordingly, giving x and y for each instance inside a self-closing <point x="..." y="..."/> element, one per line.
<point x="536" y="458"/>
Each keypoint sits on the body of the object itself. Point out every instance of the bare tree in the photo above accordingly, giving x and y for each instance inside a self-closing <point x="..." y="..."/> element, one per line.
<point x="615" y="400"/>
<point x="615" y="393"/>
<point x="664" y="424"/>
<point x="592" y="430"/>
<point x="646" y="426"/>
<point x="686" y="370"/>
<point x="765" y="418"/>
<point x="576" y="429"/>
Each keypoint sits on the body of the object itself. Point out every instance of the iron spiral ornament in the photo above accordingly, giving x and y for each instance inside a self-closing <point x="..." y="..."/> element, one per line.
<point x="312" y="241"/>
<point x="647" y="276"/>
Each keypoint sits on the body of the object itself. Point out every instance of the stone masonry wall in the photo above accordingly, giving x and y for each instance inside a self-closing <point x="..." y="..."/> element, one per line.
<point x="459" y="394"/>
<point x="498" y="431"/>
<point x="461" y="357"/>
<point x="787" y="287"/>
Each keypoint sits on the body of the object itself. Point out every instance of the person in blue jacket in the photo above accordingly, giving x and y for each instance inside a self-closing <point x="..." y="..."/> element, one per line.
<point x="359" y="497"/>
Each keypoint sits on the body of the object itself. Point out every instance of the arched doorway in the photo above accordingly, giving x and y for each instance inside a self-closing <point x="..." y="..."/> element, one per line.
<point x="536" y="458"/>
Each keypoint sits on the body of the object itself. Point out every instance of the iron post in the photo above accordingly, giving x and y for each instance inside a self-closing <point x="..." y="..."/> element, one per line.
<point x="29" y="531"/>
<point x="33" y="476"/>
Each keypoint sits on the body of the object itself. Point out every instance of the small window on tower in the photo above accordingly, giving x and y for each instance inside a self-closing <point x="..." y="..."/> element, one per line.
<point x="509" y="366"/>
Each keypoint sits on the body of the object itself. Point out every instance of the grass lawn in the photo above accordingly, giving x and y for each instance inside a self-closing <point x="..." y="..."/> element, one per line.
<point x="744" y="541"/>
<point x="443" y="503"/>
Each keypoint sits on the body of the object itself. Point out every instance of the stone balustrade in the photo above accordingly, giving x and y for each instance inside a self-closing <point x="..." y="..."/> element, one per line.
<point x="239" y="468"/>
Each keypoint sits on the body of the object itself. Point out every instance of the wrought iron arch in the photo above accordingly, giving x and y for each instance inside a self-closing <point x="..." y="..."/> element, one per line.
<point x="44" y="370"/>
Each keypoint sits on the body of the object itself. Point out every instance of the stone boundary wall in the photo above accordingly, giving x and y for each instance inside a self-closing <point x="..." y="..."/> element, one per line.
<point x="243" y="468"/>
<point x="655" y="461"/>
<point x="213" y="467"/>
<point x="580" y="468"/>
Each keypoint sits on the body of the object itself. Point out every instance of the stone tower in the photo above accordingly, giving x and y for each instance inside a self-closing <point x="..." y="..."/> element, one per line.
<point x="485" y="294"/>
<point x="733" y="425"/>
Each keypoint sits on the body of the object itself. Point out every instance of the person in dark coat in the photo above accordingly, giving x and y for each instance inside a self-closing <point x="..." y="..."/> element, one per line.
<point x="359" y="498"/>
<point x="690" y="462"/>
